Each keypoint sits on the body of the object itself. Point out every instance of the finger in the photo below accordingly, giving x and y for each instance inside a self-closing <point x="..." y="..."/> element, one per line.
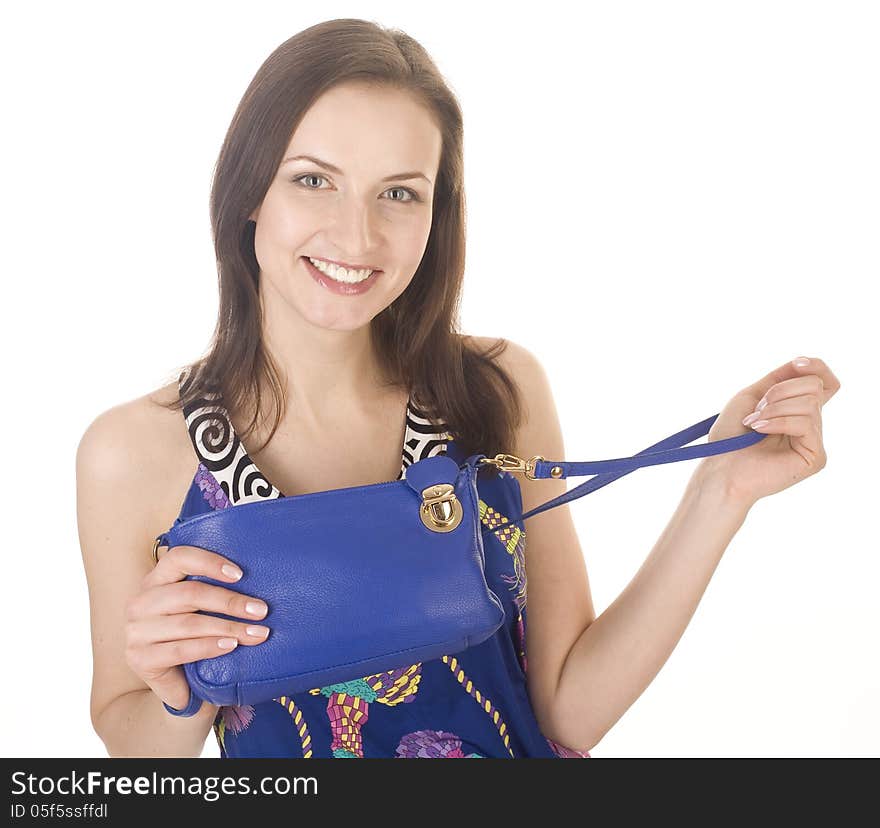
<point x="792" y="389"/>
<point x="171" y="653"/>
<point x="180" y="561"/>
<point x="193" y="625"/>
<point x="177" y="695"/>
<point x="789" y="370"/>
<point x="804" y="428"/>
<point x="806" y="405"/>
<point x="799" y="395"/>
<point x="191" y="596"/>
<point x="818" y="367"/>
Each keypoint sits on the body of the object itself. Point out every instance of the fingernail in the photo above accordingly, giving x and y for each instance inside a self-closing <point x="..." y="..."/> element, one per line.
<point x="231" y="571"/>
<point x="258" y="632"/>
<point x="800" y="362"/>
<point x="255" y="608"/>
<point x="751" y="418"/>
<point x="761" y="404"/>
<point x="227" y="643"/>
<point x="760" y="423"/>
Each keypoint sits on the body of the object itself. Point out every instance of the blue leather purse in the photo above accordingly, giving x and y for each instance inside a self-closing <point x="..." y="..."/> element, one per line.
<point x="324" y="561"/>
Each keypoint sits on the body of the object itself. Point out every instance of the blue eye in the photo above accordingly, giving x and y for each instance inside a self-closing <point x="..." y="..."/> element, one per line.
<point x="307" y="175"/>
<point x="414" y="196"/>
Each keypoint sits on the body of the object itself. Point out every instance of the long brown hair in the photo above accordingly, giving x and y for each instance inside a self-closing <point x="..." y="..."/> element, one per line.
<point x="416" y="337"/>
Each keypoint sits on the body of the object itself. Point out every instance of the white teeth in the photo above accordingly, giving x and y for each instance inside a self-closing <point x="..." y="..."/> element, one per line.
<point x="340" y="274"/>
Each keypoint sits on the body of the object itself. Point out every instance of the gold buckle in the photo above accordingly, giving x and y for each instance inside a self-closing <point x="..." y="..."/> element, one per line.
<point x="440" y="510"/>
<point x="512" y="463"/>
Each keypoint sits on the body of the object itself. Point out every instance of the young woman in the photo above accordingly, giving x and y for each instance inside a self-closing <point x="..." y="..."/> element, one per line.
<point x="338" y="216"/>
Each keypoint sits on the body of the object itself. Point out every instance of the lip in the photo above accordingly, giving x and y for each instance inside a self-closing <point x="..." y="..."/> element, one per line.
<point x="340" y="287"/>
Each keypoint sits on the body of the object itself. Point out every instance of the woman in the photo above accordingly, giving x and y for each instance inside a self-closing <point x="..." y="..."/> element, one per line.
<point x="338" y="218"/>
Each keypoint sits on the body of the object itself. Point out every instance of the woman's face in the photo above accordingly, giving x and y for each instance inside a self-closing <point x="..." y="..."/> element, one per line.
<point x="372" y="211"/>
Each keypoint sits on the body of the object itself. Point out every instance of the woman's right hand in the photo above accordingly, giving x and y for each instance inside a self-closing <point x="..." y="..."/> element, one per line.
<point x="163" y="629"/>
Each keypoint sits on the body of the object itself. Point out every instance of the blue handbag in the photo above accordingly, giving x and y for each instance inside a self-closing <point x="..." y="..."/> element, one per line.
<point x="324" y="561"/>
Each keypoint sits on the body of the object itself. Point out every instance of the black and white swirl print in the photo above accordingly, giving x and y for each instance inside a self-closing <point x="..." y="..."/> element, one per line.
<point x="424" y="438"/>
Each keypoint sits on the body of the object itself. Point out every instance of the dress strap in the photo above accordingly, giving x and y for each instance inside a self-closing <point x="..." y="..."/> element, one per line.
<point x="220" y="450"/>
<point x="425" y="437"/>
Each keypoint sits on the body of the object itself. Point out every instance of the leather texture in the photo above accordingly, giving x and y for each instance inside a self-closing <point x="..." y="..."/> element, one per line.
<point x="356" y="584"/>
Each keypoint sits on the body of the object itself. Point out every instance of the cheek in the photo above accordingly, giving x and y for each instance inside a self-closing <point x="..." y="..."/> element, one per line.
<point x="284" y="222"/>
<point x="289" y="226"/>
<point x="414" y="240"/>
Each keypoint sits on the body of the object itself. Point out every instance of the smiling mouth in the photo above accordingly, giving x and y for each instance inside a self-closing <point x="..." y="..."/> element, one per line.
<point x="340" y="286"/>
<point x="352" y="276"/>
<point x="342" y="264"/>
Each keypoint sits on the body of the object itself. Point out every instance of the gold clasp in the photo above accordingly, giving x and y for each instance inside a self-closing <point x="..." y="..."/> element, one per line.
<point x="440" y="510"/>
<point x="512" y="463"/>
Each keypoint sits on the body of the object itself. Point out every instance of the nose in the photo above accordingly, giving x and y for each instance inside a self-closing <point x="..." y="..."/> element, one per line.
<point x="355" y="231"/>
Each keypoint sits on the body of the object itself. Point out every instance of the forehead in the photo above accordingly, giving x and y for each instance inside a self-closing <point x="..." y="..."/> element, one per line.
<point x="365" y="128"/>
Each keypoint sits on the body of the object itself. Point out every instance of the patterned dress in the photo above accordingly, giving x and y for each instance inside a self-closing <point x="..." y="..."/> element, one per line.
<point x="469" y="705"/>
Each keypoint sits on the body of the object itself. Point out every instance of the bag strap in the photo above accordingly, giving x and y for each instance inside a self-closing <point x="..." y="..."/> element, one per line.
<point x="670" y="450"/>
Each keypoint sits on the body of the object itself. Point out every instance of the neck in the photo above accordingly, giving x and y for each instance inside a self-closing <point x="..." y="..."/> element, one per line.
<point x="324" y="373"/>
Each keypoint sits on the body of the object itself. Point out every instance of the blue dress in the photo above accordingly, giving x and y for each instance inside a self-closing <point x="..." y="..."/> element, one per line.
<point x="469" y="705"/>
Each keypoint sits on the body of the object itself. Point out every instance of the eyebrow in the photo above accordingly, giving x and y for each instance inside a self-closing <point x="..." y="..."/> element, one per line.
<point x="398" y="177"/>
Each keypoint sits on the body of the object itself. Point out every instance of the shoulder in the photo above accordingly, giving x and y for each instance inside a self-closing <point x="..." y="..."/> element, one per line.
<point x="512" y="356"/>
<point x="137" y="449"/>
<point x="132" y="431"/>
<point x="539" y="431"/>
<point x="528" y="372"/>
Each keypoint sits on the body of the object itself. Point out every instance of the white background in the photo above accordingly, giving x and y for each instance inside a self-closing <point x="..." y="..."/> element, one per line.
<point x="665" y="202"/>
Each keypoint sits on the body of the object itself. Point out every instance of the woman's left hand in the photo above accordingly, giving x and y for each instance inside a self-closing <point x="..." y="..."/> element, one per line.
<point x="790" y="399"/>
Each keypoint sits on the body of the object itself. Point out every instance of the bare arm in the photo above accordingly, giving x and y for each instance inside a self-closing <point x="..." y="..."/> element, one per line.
<point x="136" y="724"/>
<point x="121" y="476"/>
<point x="618" y="655"/>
